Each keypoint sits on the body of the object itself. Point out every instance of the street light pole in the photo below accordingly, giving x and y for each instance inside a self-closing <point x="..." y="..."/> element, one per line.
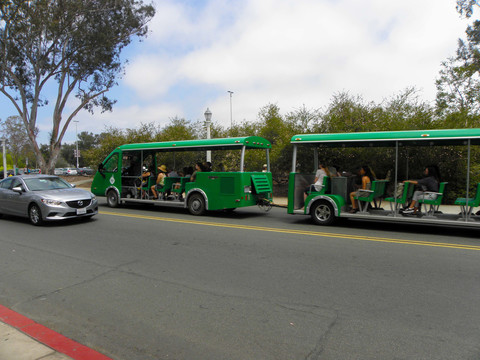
<point x="76" y="140"/>
<point x="208" y="121"/>
<point x="231" y="113"/>
<point x="4" y="158"/>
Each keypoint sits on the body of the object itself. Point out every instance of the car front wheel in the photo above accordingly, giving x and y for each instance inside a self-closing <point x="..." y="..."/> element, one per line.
<point x="35" y="215"/>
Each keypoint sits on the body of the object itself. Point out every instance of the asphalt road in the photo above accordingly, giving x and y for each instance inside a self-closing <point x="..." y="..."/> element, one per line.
<point x="150" y="283"/>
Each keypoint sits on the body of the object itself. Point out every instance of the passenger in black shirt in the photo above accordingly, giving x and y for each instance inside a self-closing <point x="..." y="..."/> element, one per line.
<point x="429" y="183"/>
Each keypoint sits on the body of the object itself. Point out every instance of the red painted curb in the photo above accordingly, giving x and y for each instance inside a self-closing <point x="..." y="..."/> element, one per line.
<point x="49" y="337"/>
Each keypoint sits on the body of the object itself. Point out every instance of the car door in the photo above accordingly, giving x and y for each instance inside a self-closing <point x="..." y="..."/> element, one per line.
<point x="4" y="192"/>
<point x="17" y="202"/>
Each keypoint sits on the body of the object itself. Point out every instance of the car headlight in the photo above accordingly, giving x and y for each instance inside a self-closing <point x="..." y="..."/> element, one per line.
<point x="50" y="202"/>
<point x="94" y="198"/>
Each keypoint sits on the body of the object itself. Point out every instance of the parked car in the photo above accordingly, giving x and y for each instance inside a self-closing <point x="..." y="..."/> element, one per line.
<point x="45" y="197"/>
<point x="10" y="173"/>
<point x="70" y="171"/>
<point x="85" y="171"/>
<point x="59" y="171"/>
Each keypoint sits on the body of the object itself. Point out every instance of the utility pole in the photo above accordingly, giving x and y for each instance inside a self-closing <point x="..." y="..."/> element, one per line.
<point x="4" y="158"/>
<point x="76" y="141"/>
<point x="231" y="113"/>
<point x="208" y="122"/>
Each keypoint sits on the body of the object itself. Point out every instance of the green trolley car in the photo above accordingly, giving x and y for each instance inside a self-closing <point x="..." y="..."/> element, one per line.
<point x="332" y="202"/>
<point x="119" y="176"/>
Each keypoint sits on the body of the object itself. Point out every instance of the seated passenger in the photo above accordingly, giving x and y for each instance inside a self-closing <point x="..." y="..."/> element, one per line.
<point x="366" y="177"/>
<point x="188" y="171"/>
<point x="144" y="180"/>
<point x="172" y="173"/>
<point x="162" y="173"/>
<point x="430" y="183"/>
<point x="207" y="166"/>
<point x="318" y="182"/>
<point x="198" y="167"/>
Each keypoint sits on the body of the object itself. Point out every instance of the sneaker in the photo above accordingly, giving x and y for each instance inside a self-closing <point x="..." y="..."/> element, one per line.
<point x="408" y="211"/>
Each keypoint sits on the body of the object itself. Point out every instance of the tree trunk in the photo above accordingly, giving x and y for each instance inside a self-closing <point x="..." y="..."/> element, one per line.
<point x="54" y="153"/>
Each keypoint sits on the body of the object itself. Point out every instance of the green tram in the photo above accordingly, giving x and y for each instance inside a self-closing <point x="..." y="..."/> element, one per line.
<point x="119" y="175"/>
<point x="394" y="148"/>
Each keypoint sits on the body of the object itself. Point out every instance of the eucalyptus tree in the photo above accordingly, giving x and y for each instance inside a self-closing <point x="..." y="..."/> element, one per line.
<point x="71" y="46"/>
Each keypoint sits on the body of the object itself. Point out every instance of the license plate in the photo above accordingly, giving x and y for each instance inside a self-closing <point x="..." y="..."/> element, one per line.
<point x="81" y="211"/>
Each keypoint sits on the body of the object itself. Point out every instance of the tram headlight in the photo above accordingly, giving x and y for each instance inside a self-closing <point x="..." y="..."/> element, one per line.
<point x="247" y="189"/>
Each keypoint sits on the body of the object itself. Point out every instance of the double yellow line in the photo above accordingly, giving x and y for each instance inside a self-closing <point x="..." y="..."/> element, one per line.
<point x="297" y="232"/>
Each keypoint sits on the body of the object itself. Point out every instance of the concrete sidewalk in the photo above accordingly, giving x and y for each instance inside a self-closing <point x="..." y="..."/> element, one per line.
<point x="15" y="345"/>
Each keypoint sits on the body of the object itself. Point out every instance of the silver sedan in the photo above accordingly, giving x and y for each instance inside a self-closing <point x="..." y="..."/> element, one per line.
<point x="45" y="197"/>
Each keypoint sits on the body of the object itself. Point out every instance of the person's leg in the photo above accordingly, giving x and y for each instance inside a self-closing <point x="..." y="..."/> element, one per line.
<point x="155" y="195"/>
<point x="412" y="208"/>
<point x="352" y="199"/>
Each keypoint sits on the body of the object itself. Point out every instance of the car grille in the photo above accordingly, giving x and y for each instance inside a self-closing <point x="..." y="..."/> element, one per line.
<point x="77" y="204"/>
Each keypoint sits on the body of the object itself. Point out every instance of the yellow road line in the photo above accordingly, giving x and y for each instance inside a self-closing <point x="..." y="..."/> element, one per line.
<point x="297" y="232"/>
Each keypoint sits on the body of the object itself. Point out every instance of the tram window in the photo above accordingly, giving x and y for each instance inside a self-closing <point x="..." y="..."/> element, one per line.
<point x="131" y="163"/>
<point x="112" y="164"/>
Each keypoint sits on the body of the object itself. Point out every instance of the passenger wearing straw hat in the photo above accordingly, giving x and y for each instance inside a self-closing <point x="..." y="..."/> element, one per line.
<point x="162" y="173"/>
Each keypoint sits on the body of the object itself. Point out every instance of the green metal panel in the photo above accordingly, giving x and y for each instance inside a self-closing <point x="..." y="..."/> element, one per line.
<point x="250" y="142"/>
<point x="291" y="193"/>
<point x="261" y="183"/>
<point x="225" y="190"/>
<point x="419" y="137"/>
<point x="227" y="185"/>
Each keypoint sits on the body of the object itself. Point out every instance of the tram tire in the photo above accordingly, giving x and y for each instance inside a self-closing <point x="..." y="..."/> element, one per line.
<point x="196" y="204"/>
<point x="112" y="199"/>
<point x="322" y="213"/>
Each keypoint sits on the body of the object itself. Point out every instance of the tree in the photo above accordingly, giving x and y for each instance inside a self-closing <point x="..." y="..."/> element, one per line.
<point x="13" y="129"/>
<point x="73" y="44"/>
<point x="465" y="7"/>
<point x="458" y="88"/>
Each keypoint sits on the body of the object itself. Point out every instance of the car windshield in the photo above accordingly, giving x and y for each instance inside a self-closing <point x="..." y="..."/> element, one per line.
<point x="50" y="183"/>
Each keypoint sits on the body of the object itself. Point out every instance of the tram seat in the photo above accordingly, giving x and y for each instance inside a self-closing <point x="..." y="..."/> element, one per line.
<point x="467" y="207"/>
<point x="403" y="200"/>
<point x="374" y="194"/>
<point x="167" y="185"/>
<point x="143" y="192"/>
<point x="325" y="188"/>
<point x="434" y="204"/>
<point x="178" y="191"/>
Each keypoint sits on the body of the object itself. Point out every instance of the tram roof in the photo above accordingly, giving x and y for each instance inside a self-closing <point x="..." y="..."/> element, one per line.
<point x="389" y="138"/>
<point x="250" y="142"/>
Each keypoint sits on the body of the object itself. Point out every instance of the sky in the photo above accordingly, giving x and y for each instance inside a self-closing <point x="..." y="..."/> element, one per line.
<point x="291" y="53"/>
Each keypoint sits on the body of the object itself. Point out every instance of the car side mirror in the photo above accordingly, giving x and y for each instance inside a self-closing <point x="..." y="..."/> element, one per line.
<point x="18" y="189"/>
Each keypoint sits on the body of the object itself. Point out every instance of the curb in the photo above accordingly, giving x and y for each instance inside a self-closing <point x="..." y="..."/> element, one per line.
<point x="49" y="337"/>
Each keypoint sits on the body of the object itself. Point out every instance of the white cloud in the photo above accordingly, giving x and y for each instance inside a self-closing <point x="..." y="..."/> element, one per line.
<point x="289" y="52"/>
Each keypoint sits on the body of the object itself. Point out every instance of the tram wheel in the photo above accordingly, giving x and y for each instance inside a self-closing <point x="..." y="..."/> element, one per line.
<point x="196" y="204"/>
<point x="322" y="213"/>
<point x="112" y="199"/>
